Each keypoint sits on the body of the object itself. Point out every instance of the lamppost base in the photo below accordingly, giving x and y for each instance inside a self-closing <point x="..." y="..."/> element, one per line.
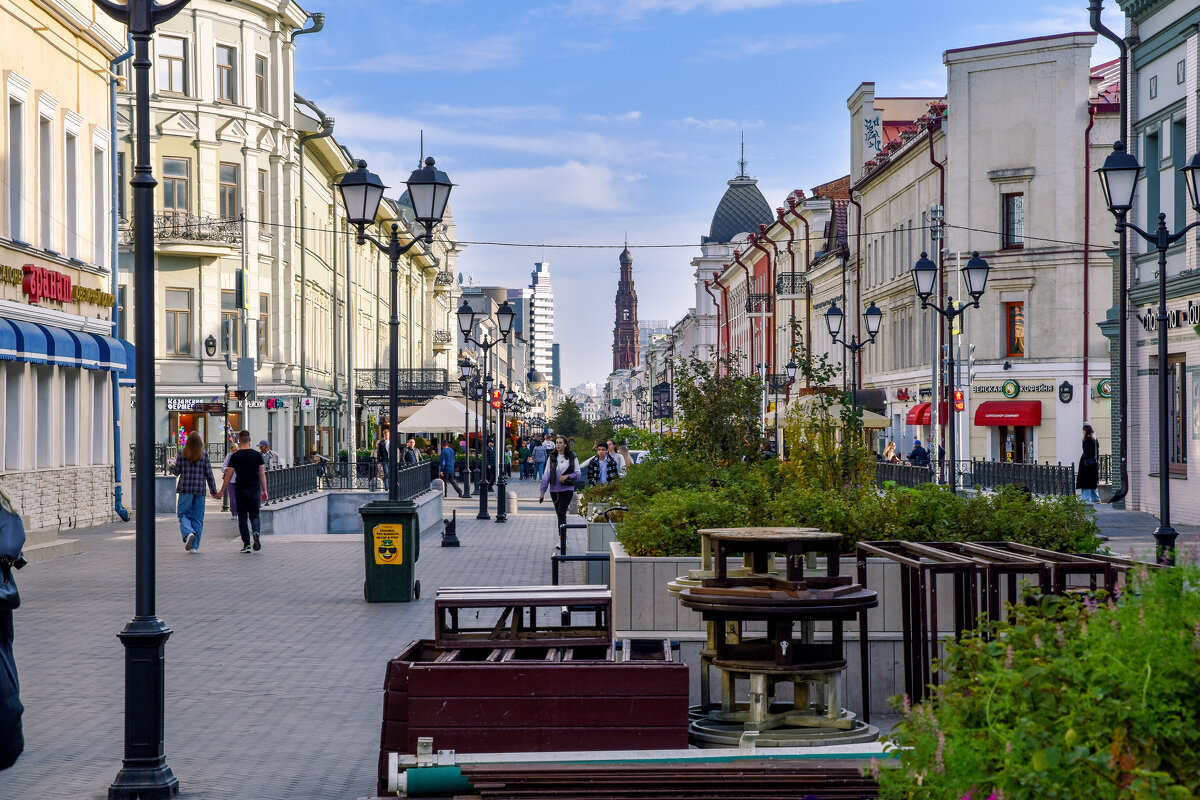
<point x="483" y="515"/>
<point x="144" y="773"/>
<point x="1164" y="544"/>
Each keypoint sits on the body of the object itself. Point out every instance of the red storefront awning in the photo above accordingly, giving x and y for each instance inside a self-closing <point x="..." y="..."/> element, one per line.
<point x="922" y="414"/>
<point x="1009" y="412"/>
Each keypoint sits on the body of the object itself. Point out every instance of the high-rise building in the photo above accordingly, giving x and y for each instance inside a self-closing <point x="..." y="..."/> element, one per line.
<point x="626" y="345"/>
<point x="521" y="300"/>
<point x="541" y="316"/>
<point x="555" y="365"/>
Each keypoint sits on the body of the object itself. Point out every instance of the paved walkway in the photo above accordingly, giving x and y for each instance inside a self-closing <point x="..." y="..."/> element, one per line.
<point x="275" y="666"/>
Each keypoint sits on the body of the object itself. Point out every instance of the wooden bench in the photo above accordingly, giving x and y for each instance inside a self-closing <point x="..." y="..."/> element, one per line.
<point x="515" y="621"/>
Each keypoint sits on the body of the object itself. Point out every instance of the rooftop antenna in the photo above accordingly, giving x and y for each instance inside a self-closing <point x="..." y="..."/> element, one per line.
<point x="421" y="160"/>
<point x="742" y="160"/>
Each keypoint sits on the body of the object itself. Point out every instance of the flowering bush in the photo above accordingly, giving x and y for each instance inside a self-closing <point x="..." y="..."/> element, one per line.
<point x="1069" y="699"/>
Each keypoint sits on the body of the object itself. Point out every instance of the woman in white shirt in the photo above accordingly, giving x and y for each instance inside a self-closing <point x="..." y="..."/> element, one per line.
<point x="560" y="477"/>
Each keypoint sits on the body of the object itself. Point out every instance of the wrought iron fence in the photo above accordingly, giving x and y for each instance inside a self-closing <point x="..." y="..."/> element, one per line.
<point x="413" y="385"/>
<point x="902" y="474"/>
<point x="365" y="475"/>
<point x="443" y="336"/>
<point x="413" y="479"/>
<point x="756" y="303"/>
<point x="1106" y="469"/>
<point x="289" y="482"/>
<point x="1047" y="478"/>
<point x="164" y="454"/>
<point x="789" y="283"/>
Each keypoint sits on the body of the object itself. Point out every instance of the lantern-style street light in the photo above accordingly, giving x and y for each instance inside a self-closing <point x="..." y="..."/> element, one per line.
<point x="975" y="275"/>
<point x="362" y="192"/>
<point x="1118" y="180"/>
<point x="833" y="321"/>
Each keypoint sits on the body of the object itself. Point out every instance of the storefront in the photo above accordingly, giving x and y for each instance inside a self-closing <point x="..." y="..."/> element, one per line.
<point x="1013" y="426"/>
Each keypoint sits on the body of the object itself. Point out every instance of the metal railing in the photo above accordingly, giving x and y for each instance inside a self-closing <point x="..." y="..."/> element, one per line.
<point x="790" y="283"/>
<point x="756" y="303"/>
<point x="443" y="336"/>
<point x="902" y="474"/>
<point x="164" y="454"/>
<point x="185" y="227"/>
<point x="413" y="385"/>
<point x="366" y="475"/>
<point x="1106" y="469"/>
<point x="1043" y="479"/>
<point x="413" y="479"/>
<point x="289" y="482"/>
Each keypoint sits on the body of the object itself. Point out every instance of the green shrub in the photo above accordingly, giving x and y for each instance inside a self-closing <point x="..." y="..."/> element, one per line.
<point x="667" y="523"/>
<point x="1070" y="699"/>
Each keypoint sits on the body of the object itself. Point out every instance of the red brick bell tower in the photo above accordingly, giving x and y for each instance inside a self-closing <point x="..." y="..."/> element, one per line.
<point x="627" y="349"/>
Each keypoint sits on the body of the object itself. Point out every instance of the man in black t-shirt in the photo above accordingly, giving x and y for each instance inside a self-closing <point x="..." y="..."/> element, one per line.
<point x="249" y="489"/>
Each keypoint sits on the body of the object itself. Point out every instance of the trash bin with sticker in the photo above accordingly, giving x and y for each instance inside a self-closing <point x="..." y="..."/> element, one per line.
<point x="391" y="546"/>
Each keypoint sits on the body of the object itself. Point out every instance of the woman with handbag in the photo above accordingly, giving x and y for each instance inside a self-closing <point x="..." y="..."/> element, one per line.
<point x="1088" y="476"/>
<point x="560" y="477"/>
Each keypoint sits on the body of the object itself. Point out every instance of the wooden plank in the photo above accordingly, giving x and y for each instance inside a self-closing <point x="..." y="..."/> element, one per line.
<point x="394" y="736"/>
<point x="517" y="679"/>
<point x="395" y="705"/>
<point x="522" y="740"/>
<point x="542" y="711"/>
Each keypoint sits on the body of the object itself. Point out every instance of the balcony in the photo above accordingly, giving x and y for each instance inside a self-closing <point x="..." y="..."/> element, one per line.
<point x="444" y="281"/>
<point x="443" y="339"/>
<point x="189" y="234"/>
<point x="790" y="285"/>
<point x="760" y="303"/>
<point x="414" y="385"/>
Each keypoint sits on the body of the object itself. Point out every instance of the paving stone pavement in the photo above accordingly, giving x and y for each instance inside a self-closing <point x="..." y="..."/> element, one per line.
<point x="275" y="665"/>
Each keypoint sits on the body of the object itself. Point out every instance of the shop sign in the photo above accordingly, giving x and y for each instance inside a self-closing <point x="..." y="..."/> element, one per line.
<point x="273" y="404"/>
<point x="184" y="403"/>
<point x="903" y="395"/>
<point x="925" y="391"/>
<point x="1104" y="388"/>
<point x="1011" y="388"/>
<point x="40" y="283"/>
<point x="1175" y="319"/>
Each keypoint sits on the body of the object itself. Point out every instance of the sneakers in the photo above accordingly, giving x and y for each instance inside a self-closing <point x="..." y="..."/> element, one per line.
<point x="246" y="548"/>
<point x="257" y="543"/>
<point x="187" y="543"/>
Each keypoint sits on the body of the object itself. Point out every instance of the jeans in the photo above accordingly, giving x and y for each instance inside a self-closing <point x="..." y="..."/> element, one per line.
<point x="538" y="468"/>
<point x="190" y="509"/>
<point x="562" y="501"/>
<point x="1090" y="496"/>
<point x="247" y="511"/>
<point x="448" y="480"/>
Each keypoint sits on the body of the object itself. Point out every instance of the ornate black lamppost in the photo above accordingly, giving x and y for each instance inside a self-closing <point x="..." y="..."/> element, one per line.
<point x="505" y="315"/>
<point x="362" y="191"/>
<point x="1118" y="179"/>
<point x="975" y="275"/>
<point x="144" y="772"/>
<point x="833" y="321"/>
<point x="467" y="372"/>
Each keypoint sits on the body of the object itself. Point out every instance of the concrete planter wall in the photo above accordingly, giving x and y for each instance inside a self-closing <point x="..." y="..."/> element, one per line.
<point x="336" y="512"/>
<point x="643" y="607"/>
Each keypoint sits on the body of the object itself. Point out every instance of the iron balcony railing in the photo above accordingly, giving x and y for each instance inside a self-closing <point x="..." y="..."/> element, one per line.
<point x="444" y="278"/>
<point x="180" y="226"/>
<point x="789" y="283"/>
<point x="443" y="336"/>
<point x="413" y="385"/>
<point x="760" y="303"/>
<point x="289" y="482"/>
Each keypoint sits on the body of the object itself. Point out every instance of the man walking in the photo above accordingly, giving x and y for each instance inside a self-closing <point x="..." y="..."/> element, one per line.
<point x="381" y="451"/>
<point x="603" y="468"/>
<point x="447" y="467"/>
<point x="270" y="457"/>
<point x="249" y="490"/>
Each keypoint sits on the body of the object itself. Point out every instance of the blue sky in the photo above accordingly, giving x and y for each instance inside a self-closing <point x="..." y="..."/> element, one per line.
<point x="583" y="121"/>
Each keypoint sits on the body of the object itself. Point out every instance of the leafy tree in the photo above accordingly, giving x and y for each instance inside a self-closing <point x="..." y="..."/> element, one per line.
<point x="721" y="411"/>
<point x="568" y="420"/>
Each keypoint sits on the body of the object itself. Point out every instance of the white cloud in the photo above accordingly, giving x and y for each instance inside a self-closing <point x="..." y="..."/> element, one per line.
<point x="628" y="116"/>
<point x="636" y="9"/>
<point x="493" y="113"/>
<point x="768" y="46"/>
<point x="443" y="54"/>
<point x="543" y="192"/>
<point x="722" y="124"/>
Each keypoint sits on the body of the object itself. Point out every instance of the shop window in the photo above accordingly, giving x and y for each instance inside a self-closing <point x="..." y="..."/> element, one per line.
<point x="260" y="83"/>
<point x="14" y="417"/>
<point x="70" y="417"/>
<point x="1014" y="330"/>
<point x="1013" y="221"/>
<point x="226" y="80"/>
<point x="43" y="419"/>
<point x="176" y="189"/>
<point x="228" y="191"/>
<point x="172" y="65"/>
<point x="1177" y="410"/>
<point x="100" y="418"/>
<point x="179" y="322"/>
<point x="230" y="323"/>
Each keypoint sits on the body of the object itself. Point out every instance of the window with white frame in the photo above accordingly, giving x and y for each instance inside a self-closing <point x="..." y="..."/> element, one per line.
<point x="45" y="183"/>
<point x="14" y="416"/>
<point x="70" y="417"/>
<point x="16" y="167"/>
<point x="99" y="417"/>
<point x="44" y="417"/>
<point x="260" y="83"/>
<point x="172" y="64"/>
<point x="99" y="207"/>
<point x="226" y="74"/>
<point x="71" y="195"/>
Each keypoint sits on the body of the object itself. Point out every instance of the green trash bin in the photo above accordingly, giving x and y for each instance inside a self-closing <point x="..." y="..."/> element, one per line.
<point x="391" y="547"/>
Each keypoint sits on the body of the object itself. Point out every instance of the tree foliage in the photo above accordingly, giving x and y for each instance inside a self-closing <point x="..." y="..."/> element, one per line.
<point x="720" y="411"/>
<point x="568" y="420"/>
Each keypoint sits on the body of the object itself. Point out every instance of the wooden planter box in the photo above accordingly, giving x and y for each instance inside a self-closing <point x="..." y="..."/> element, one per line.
<point x="526" y="703"/>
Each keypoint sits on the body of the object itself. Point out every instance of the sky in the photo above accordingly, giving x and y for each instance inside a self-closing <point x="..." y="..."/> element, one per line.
<point x="595" y="122"/>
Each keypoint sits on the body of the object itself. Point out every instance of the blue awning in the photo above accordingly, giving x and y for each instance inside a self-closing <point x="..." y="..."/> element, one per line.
<point x="89" y="351"/>
<point x="112" y="353"/>
<point x="8" y="342"/>
<point x="32" y="341"/>
<point x="127" y="376"/>
<point x="63" y="350"/>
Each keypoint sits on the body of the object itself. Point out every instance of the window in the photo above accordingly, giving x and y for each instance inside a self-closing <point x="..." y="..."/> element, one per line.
<point x="46" y="182"/>
<point x="1153" y="178"/>
<point x="264" y="325"/>
<point x="226" y="58"/>
<point x="230" y="323"/>
<point x="1153" y="86"/>
<point x="16" y="164"/>
<point x="122" y="310"/>
<point x="44" y="423"/>
<point x="1179" y="158"/>
<point x="99" y="207"/>
<point x="175" y="185"/>
<point x="71" y="194"/>
<point x="14" y="416"/>
<point x="121" y="183"/>
<point x="228" y="192"/>
<point x="172" y="64"/>
<point x="70" y="417"/>
<point x="179" y="322"/>
<point x="262" y="197"/>
<point x="260" y="83"/>
<point x="1177" y="410"/>
<point x="1012" y="225"/>
<point x="99" y="428"/>
<point x="1014" y="330"/>
<point x="1180" y="71"/>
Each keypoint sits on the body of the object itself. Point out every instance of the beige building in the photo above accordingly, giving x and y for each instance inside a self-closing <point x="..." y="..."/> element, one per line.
<point x="58" y="360"/>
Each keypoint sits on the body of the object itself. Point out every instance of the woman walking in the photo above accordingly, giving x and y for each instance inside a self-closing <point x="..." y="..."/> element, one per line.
<point x="194" y="472"/>
<point x="560" y="477"/>
<point x="1088" y="476"/>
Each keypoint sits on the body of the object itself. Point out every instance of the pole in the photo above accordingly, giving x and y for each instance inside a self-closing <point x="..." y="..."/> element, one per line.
<point x="394" y="362"/>
<point x="466" y="444"/>
<point x="1164" y="534"/>
<point x="501" y="476"/>
<point x="144" y="772"/>
<point x="951" y="420"/>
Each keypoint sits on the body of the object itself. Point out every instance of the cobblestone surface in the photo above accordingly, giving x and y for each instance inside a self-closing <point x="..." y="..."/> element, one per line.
<point x="275" y="666"/>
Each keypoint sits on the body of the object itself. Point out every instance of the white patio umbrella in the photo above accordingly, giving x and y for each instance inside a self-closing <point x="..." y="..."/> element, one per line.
<point x="439" y="415"/>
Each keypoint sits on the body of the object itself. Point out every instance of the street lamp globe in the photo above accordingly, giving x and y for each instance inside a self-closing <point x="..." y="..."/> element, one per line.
<point x="873" y="317"/>
<point x="924" y="273"/>
<point x="466" y="318"/>
<point x="429" y="189"/>
<point x="976" y="274"/>
<point x="791" y="371"/>
<point x="504" y="318"/>
<point x="361" y="192"/>
<point x="1118" y="178"/>
<point x="466" y="368"/>
<point x="833" y="320"/>
<point x="1191" y="172"/>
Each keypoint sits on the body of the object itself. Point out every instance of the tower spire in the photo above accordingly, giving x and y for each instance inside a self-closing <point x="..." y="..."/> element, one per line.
<point x="742" y="160"/>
